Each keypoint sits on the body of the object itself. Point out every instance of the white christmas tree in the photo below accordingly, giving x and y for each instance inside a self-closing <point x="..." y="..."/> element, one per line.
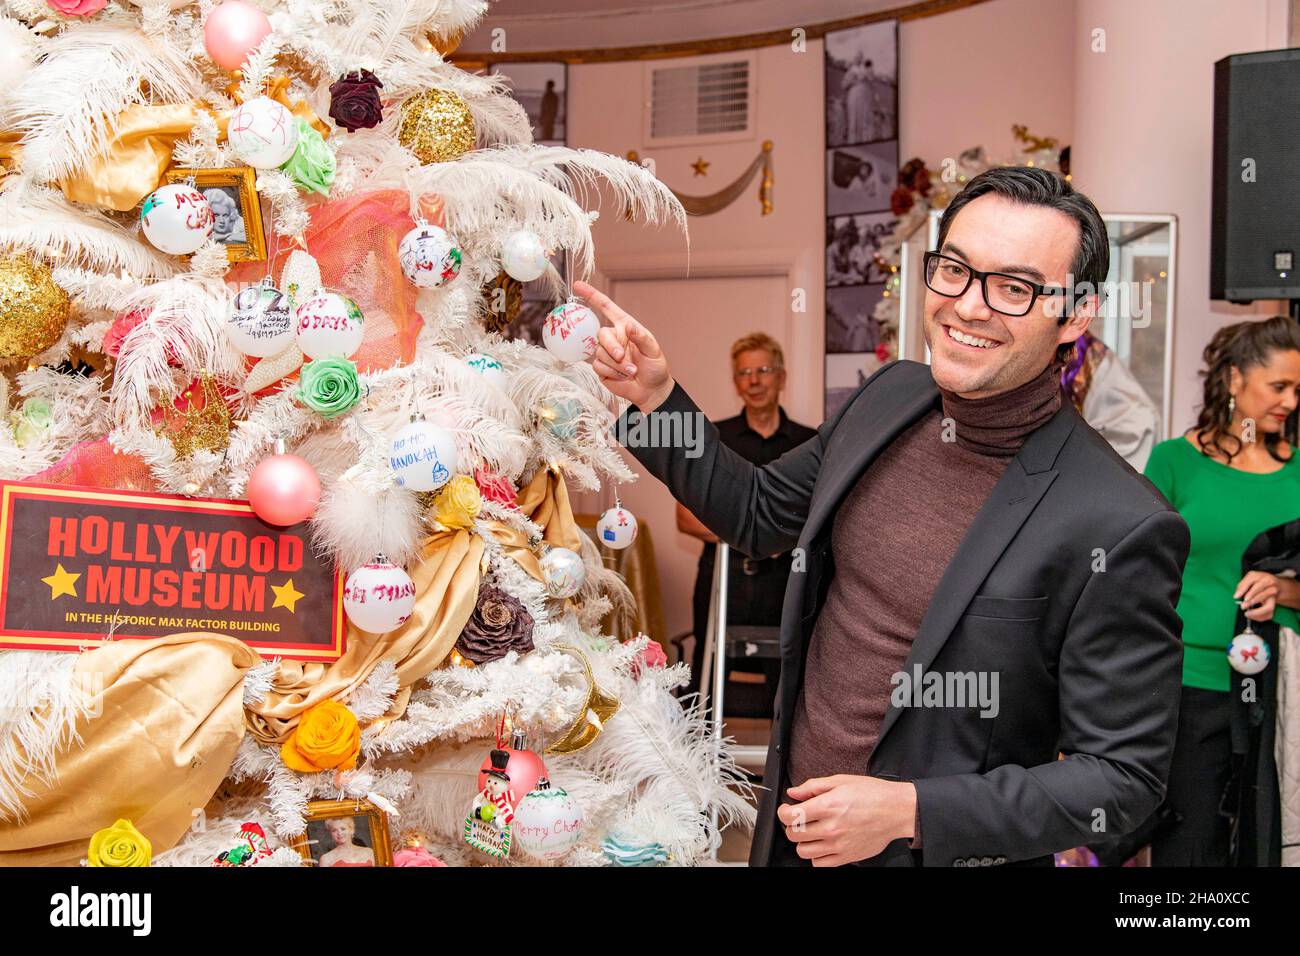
<point x="155" y="342"/>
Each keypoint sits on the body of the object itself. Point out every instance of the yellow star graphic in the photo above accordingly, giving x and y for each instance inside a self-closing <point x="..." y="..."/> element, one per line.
<point x="701" y="167"/>
<point x="286" y="595"/>
<point x="62" y="582"/>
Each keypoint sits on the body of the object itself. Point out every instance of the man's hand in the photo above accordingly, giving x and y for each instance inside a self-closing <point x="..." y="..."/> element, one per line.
<point x="844" y="818"/>
<point x="1257" y="588"/>
<point x="628" y="359"/>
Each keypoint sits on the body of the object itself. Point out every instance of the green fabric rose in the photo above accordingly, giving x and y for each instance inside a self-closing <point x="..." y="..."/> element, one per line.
<point x="328" y="386"/>
<point x="312" y="164"/>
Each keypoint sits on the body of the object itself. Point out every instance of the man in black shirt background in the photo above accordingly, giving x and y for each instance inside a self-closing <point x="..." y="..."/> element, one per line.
<point x="762" y="433"/>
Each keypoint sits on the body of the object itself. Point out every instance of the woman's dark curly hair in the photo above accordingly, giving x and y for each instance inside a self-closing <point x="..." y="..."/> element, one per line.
<point x="1243" y="346"/>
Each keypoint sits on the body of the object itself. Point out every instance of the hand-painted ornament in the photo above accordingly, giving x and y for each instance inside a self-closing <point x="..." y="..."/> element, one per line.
<point x="176" y="219"/>
<point x="423" y="455"/>
<point x="261" y="321"/>
<point x="523" y="256"/>
<point x="283" y="489"/>
<point x="548" y="822"/>
<point x="262" y="133"/>
<point x="379" y="597"/>
<point x="251" y="848"/>
<point x="429" y="256"/>
<point x="569" y="332"/>
<point x="523" y="765"/>
<point x="488" y="367"/>
<point x="488" y="828"/>
<point x="233" y="31"/>
<point x="329" y="325"/>
<point x="1248" y="653"/>
<point x="563" y="572"/>
<point x="33" y="307"/>
<point x="616" y="528"/>
<point x="437" y="126"/>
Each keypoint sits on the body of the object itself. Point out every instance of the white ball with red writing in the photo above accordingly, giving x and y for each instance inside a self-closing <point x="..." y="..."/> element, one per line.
<point x="176" y="219"/>
<point x="569" y="332"/>
<point x="548" y="822"/>
<point x="262" y="133"/>
<point x="329" y="325"/>
<point x="429" y="256"/>
<point x="379" y="597"/>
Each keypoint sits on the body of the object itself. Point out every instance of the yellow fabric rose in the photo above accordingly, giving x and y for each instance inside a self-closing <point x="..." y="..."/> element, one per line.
<point x="458" y="503"/>
<point x="119" y="845"/>
<point x="327" y="738"/>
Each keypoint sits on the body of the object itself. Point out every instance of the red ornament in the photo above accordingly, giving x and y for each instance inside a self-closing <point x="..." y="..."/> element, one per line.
<point x="524" y="767"/>
<point x="284" y="490"/>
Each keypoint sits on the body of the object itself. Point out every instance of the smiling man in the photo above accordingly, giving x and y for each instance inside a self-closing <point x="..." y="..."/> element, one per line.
<point x="963" y="532"/>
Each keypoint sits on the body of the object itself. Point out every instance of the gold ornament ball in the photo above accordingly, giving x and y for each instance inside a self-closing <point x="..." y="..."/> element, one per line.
<point x="33" y="309"/>
<point x="436" y="126"/>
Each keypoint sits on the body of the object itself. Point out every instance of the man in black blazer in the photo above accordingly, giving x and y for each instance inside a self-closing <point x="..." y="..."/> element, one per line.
<point x="1016" y="552"/>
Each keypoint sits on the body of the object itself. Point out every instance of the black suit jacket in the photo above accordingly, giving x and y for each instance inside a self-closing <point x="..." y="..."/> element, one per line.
<point x="1065" y="585"/>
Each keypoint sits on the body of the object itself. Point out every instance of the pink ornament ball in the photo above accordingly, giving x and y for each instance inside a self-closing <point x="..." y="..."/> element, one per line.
<point x="524" y="767"/>
<point x="284" y="490"/>
<point x="233" y="31"/>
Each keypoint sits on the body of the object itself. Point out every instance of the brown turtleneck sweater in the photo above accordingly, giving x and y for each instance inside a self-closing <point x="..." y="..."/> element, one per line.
<point x="892" y="539"/>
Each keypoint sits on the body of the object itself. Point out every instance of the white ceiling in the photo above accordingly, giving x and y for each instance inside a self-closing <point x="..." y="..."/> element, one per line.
<point x="533" y="25"/>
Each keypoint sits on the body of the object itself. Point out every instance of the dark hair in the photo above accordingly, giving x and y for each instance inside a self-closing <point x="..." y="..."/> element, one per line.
<point x="1243" y="346"/>
<point x="1038" y="187"/>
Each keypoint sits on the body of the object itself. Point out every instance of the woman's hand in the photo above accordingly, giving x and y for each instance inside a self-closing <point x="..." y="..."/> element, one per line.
<point x="1257" y="592"/>
<point x="628" y="360"/>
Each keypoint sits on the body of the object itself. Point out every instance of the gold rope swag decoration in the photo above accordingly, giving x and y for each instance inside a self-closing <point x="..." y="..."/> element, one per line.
<point x="724" y="197"/>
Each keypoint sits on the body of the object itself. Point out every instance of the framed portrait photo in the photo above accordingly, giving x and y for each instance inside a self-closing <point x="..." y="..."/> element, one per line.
<point x="346" y="833"/>
<point x="236" y="208"/>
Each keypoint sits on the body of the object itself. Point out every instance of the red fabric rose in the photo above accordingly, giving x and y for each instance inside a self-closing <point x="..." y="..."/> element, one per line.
<point x="354" y="101"/>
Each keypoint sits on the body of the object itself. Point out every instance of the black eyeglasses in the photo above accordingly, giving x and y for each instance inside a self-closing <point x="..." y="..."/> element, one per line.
<point x="1007" y="294"/>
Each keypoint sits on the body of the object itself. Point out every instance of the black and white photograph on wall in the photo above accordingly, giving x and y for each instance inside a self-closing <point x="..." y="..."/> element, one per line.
<point x="541" y="89"/>
<point x="851" y="244"/>
<point x="844" y="373"/>
<point x="862" y="84"/>
<point x="861" y="178"/>
<point x="851" y="325"/>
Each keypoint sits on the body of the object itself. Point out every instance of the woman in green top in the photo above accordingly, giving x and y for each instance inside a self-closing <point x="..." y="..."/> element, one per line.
<point x="1232" y="476"/>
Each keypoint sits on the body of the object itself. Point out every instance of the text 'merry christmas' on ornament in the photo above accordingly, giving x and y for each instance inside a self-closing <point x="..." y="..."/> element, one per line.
<point x="176" y="219"/>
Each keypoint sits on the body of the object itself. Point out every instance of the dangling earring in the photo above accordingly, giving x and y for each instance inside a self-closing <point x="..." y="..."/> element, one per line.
<point x="1232" y="406"/>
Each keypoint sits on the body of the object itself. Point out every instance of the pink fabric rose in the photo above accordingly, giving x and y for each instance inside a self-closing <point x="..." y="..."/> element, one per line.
<point x="416" y="856"/>
<point x="76" y="8"/>
<point x="650" y="657"/>
<point x="495" y="488"/>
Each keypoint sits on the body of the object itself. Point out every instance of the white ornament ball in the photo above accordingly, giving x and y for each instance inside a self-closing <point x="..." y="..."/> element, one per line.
<point x="616" y="528"/>
<point x="423" y="456"/>
<point x="1248" y="653"/>
<point x="429" y="256"/>
<point x="329" y="325"/>
<point x="379" y="597"/>
<point x="488" y="367"/>
<point x="262" y="133"/>
<point x="522" y="256"/>
<point x="563" y="572"/>
<point x="548" y="822"/>
<point x="260" y="323"/>
<point x="176" y="219"/>
<point x="569" y="332"/>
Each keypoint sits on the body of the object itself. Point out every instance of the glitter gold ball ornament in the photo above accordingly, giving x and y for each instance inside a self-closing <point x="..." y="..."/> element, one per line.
<point x="436" y="126"/>
<point x="34" y="308"/>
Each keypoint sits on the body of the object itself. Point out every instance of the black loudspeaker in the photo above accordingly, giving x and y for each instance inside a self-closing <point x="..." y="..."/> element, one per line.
<point x="1255" y="219"/>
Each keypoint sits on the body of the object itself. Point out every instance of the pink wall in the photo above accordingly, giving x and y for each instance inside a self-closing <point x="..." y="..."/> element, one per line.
<point x="967" y="76"/>
<point x="1143" y="130"/>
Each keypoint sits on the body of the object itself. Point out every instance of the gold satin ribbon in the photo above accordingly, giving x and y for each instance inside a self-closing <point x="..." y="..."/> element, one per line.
<point x="169" y="719"/>
<point x="10" y="152"/>
<point x="171" y="712"/>
<point x="135" y="159"/>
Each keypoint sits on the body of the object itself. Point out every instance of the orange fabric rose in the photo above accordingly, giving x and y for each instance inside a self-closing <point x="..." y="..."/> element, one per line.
<point x="327" y="738"/>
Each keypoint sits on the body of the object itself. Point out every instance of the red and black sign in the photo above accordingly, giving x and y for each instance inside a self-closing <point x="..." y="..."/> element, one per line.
<point x="79" y="563"/>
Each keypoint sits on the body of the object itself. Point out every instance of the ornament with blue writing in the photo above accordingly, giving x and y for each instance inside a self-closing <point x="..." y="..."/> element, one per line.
<point x="423" y="456"/>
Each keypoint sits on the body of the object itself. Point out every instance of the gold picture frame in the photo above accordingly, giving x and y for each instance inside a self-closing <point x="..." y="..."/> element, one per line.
<point x="314" y="845"/>
<point x="239" y="187"/>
